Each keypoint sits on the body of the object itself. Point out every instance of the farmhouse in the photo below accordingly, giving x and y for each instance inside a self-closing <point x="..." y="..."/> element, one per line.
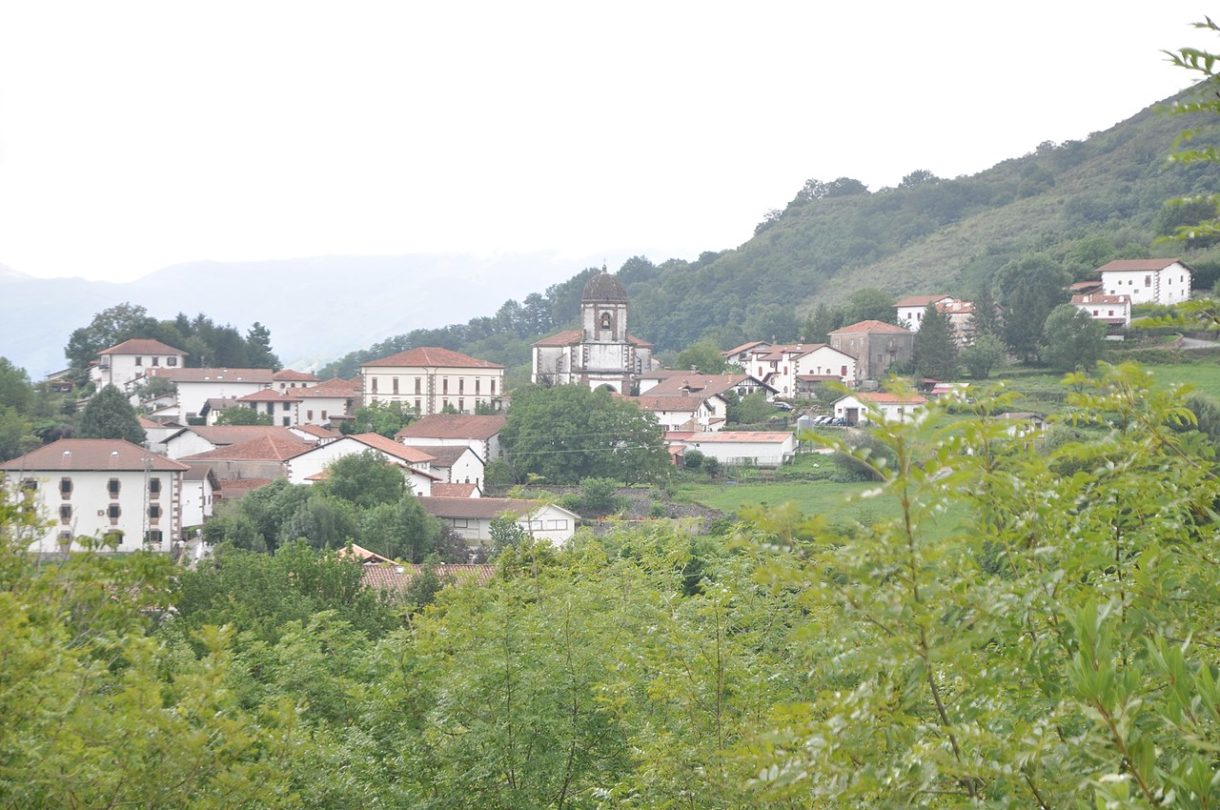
<point x="1147" y="281"/>
<point x="861" y="407"/>
<point x="471" y="517"/>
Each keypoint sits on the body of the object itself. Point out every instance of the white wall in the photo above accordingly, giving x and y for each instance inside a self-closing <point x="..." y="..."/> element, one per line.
<point x="315" y="461"/>
<point x="196" y="502"/>
<point x="1168" y="286"/>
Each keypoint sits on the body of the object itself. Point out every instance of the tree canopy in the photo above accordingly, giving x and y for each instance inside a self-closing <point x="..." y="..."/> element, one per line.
<point x="108" y="415"/>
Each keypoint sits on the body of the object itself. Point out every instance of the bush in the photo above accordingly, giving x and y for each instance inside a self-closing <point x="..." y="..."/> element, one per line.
<point x="863" y="447"/>
<point x="598" y="496"/>
<point x="692" y="459"/>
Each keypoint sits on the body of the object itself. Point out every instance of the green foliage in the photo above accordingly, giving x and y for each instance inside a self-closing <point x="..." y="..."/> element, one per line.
<point x="692" y="459"/>
<point x="240" y="415"/>
<point x="598" y="496"/>
<point x="1071" y="339"/>
<point x="568" y="433"/>
<point x="983" y="355"/>
<point x="365" y="479"/>
<point x="1029" y="290"/>
<point x="109" y="415"/>
<point x="402" y="530"/>
<point x="704" y="357"/>
<point x="385" y="418"/>
<point x="935" y="352"/>
<point x="870" y="304"/>
<point x="752" y="409"/>
<point x="258" y="348"/>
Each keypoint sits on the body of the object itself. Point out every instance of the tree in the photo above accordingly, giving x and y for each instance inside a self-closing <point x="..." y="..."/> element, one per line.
<point x="108" y="328"/>
<point x="15" y="389"/>
<point x="821" y="324"/>
<point x="870" y="304"/>
<point x="365" y="479"/>
<point x="258" y="348"/>
<point x="566" y="433"/>
<point x="1071" y="339"/>
<point x="919" y="177"/>
<point x="403" y="530"/>
<point x="239" y="415"/>
<point x="935" y="350"/>
<point x="985" y="319"/>
<point x="983" y="355"/>
<point x="703" y="357"/>
<point x="1029" y="289"/>
<point x="385" y="418"/>
<point x="109" y="415"/>
<point x="1194" y="219"/>
<point x="752" y="409"/>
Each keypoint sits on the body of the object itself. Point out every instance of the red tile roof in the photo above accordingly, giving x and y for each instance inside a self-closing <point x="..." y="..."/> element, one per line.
<point x="237" y="487"/>
<point x="194" y="375"/>
<point x="873" y="327"/>
<point x="673" y="404"/>
<point x="289" y="375"/>
<point x="1085" y="286"/>
<point x="1119" y="265"/>
<point x="453" y="426"/>
<point x="92" y="455"/>
<point x="484" y="508"/>
<point x="270" y="395"/>
<point x="745" y="347"/>
<point x="363" y="554"/>
<point x="142" y="346"/>
<point x="264" y="448"/>
<point x="886" y="398"/>
<point x="1099" y="298"/>
<point x="390" y="447"/>
<point x="221" y="435"/>
<point x="394" y="577"/>
<point x="739" y="437"/>
<point x="455" y="490"/>
<point x="431" y="356"/>
<point x="444" y="455"/>
<point x="333" y="388"/>
<point x="920" y="300"/>
<point x="319" y="431"/>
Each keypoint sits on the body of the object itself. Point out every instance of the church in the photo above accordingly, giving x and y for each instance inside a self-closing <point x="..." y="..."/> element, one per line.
<point x="600" y="353"/>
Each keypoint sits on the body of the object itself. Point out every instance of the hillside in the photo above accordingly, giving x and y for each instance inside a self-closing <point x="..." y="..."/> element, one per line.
<point x="1080" y="203"/>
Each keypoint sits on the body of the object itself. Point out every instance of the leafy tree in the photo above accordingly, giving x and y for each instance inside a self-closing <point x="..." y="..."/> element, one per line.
<point x="935" y="351"/>
<point x="567" y="433"/>
<point x="258" y="348"/>
<point x="403" y="530"/>
<point x="365" y="479"/>
<point x="823" y="321"/>
<point x="108" y="415"/>
<point x="703" y="357"/>
<point x="752" y="409"/>
<point x="15" y="389"/>
<point x="321" y="521"/>
<point x="239" y="415"/>
<point x="598" y="496"/>
<point x="16" y="434"/>
<point x="385" y="418"/>
<point x="917" y="178"/>
<point x="985" y="319"/>
<point x="108" y="328"/>
<point x="1071" y="339"/>
<point x="1194" y="219"/>
<point x="777" y="322"/>
<point x="1029" y="290"/>
<point x="870" y="304"/>
<point x="983" y="355"/>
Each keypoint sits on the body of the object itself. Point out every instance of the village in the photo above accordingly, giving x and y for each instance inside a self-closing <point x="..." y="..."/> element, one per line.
<point x="196" y="461"/>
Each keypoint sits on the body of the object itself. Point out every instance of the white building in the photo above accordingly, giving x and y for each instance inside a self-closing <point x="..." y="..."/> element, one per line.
<point x="189" y="441"/>
<point x="455" y="464"/>
<point x="471" y="517"/>
<point x="332" y="399"/>
<point x="197" y="385"/>
<point x="430" y="380"/>
<point x="479" y="433"/>
<point x="282" y="408"/>
<point x="309" y="466"/>
<point x="1147" y="281"/>
<point x="910" y="310"/>
<point x="1112" y="310"/>
<point x="131" y="360"/>
<point x="862" y="407"/>
<point x="601" y="352"/>
<point x="780" y="366"/>
<point x="686" y="411"/>
<point x="199" y="486"/>
<point x="755" y="448"/>
<point x="101" y="488"/>
<point x="287" y="379"/>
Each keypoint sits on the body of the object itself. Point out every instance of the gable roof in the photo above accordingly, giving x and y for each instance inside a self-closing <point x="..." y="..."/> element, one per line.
<point x="221" y="435"/>
<point x="1119" y="265"/>
<point x="920" y="300"/>
<point x="696" y="384"/>
<point x="873" y="327"/>
<point x="673" y="403"/>
<point x="91" y="455"/>
<point x="445" y="455"/>
<point x="318" y="431"/>
<point x="233" y="488"/>
<point x="739" y="437"/>
<point x="482" y="508"/>
<point x="270" y="395"/>
<point x="431" y="356"/>
<point x="290" y="375"/>
<point x="141" y="346"/>
<point x="455" y="490"/>
<point x="745" y="347"/>
<point x="230" y="375"/>
<point x="1100" y="298"/>
<point x="390" y="447"/>
<point x="453" y="426"/>
<point x="396" y="577"/>
<point x="264" y="448"/>
<point x="334" y="388"/>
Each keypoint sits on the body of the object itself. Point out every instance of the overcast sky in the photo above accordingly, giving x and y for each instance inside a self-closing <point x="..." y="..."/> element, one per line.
<point x="134" y="135"/>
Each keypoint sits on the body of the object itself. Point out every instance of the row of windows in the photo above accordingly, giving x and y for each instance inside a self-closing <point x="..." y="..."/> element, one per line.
<point x="113" y="487"/>
<point x="461" y="386"/>
<point x="534" y="525"/>
<point x="114" y="511"/>
<point x="156" y="361"/>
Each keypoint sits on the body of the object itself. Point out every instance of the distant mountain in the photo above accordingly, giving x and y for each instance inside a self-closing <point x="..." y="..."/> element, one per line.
<point x="316" y="308"/>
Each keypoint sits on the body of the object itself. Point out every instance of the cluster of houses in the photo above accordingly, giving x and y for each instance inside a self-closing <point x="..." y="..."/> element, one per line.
<point x="157" y="496"/>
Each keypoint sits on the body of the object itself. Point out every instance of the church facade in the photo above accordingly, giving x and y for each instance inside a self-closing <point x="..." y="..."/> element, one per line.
<point x="599" y="353"/>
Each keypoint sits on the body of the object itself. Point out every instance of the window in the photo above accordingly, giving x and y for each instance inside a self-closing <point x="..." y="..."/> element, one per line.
<point x="29" y="485"/>
<point x="417" y="385"/>
<point x="309" y="415"/>
<point x="374" y="385"/>
<point x="842" y="371"/>
<point x="444" y="385"/>
<point x="461" y="523"/>
<point x="156" y="361"/>
<point x="607" y="322"/>
<point x="394" y="385"/>
<point x="154" y="511"/>
<point x="153" y="536"/>
<point x="323" y="414"/>
<point x="535" y="525"/>
<point x="417" y="408"/>
<point x="287" y="421"/>
<point x="556" y="525"/>
<point x="1094" y="313"/>
<point x="462" y="405"/>
<point x="287" y="406"/>
<point x="476" y="386"/>
<point x="139" y="361"/>
<point x="65" y="538"/>
<point x="65" y="513"/>
<point x="444" y="404"/>
<point x="270" y="407"/>
<point x="113" y="486"/>
<point x="1147" y="281"/>
<point x="154" y="487"/>
<point x="171" y="361"/>
<point x="113" y="511"/>
<point x="493" y="388"/>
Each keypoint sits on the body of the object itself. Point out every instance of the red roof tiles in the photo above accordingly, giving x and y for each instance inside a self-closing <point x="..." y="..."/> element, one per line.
<point x="289" y="375"/>
<point x="92" y="455"/>
<point x="873" y="327"/>
<point x="1119" y="265"/>
<point x="142" y="346"/>
<point x="453" y="426"/>
<point x="431" y="356"/>
<point x="264" y="448"/>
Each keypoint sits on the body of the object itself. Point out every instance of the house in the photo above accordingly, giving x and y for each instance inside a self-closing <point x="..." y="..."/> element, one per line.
<point x="430" y="380"/>
<point x="863" y="406"/>
<point x="780" y="365"/>
<point x="124" y="364"/>
<point x="315" y="433"/>
<point x="909" y="311"/>
<point x="394" y="577"/>
<point x="306" y="466"/>
<point x="600" y="353"/>
<point x="479" y="433"/>
<point x="1147" y="281"/>
<point x="197" y="385"/>
<point x="456" y="491"/>
<point x="281" y="408"/>
<point x="471" y="517"/>
<point x="692" y="411"/>
<point x="741" y="354"/>
<point x="753" y="448"/>
<point x="331" y="399"/>
<point x="199" y="488"/>
<point x="668" y="382"/>
<point x="265" y="457"/>
<point x="155" y="433"/>
<point x="101" y="488"/>
<point x="455" y="464"/>
<point x="1112" y="310"/>
<point x="286" y="379"/>
<point x="195" y="439"/>
<point x="875" y="345"/>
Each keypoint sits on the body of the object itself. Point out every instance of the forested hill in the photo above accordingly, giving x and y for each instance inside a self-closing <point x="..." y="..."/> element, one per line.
<point x="1079" y="203"/>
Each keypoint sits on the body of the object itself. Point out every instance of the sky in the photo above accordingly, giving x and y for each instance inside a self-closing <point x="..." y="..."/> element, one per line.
<point x="136" y="135"/>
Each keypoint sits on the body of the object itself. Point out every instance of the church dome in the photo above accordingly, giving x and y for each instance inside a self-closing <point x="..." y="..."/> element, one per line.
<point x="604" y="288"/>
